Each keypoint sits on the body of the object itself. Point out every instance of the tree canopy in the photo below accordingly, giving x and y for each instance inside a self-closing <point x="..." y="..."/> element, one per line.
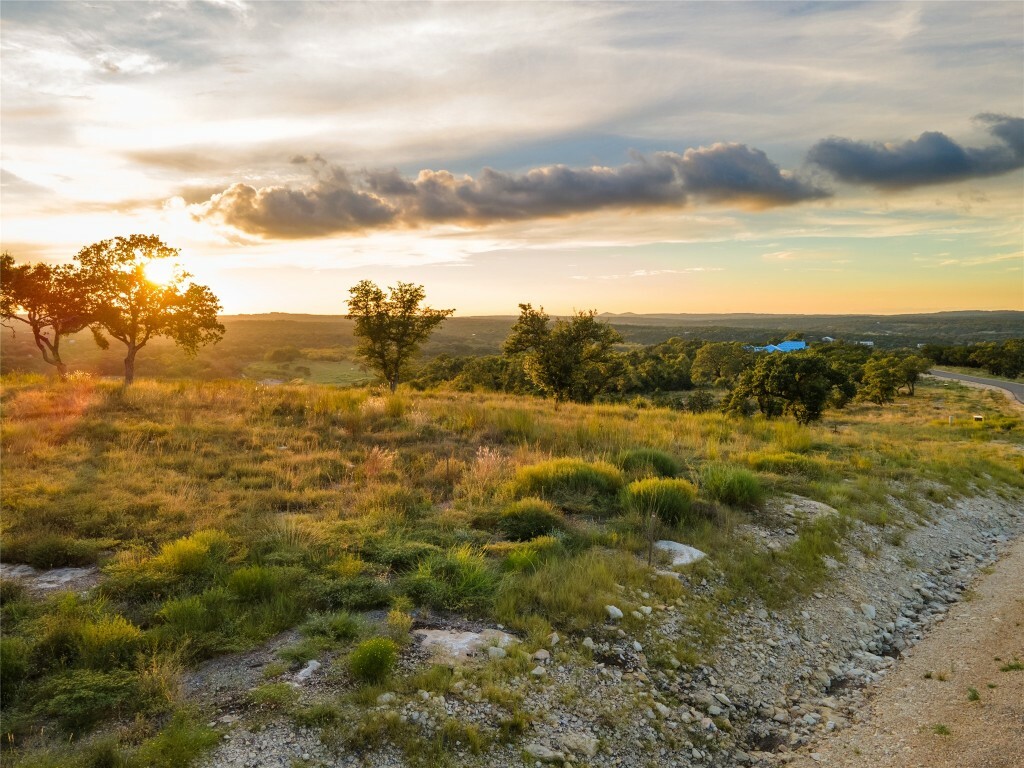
<point x="132" y="308"/>
<point x="390" y="327"/>
<point x="53" y="301"/>
<point x="571" y="359"/>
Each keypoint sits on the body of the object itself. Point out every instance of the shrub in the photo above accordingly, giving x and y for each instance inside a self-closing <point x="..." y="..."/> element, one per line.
<point x="530" y="555"/>
<point x="340" y="625"/>
<point x="457" y="580"/>
<point x="526" y="519"/>
<point x="195" y="555"/>
<point x="398" y="553"/>
<point x="731" y="485"/>
<point x="372" y="660"/>
<point x="80" y="698"/>
<point x="573" y="484"/>
<point x="642" y="461"/>
<point x="399" y="625"/>
<point x="671" y="500"/>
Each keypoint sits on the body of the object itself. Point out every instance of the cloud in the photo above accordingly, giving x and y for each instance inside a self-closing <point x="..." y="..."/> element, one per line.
<point x="932" y="158"/>
<point x="342" y="202"/>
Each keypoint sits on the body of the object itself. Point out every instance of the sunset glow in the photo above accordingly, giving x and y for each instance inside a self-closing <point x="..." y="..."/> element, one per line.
<point x="685" y="157"/>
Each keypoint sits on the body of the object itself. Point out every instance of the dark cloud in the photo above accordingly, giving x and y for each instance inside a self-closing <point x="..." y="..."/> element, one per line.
<point x="338" y="202"/>
<point x="932" y="158"/>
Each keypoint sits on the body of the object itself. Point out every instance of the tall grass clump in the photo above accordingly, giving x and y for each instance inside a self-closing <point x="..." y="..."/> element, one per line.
<point x="648" y="461"/>
<point x="529" y="518"/>
<point x="372" y="660"/>
<point x="671" y="500"/>
<point x="460" y="579"/>
<point x="731" y="485"/>
<point x="573" y="484"/>
<point x="568" y="592"/>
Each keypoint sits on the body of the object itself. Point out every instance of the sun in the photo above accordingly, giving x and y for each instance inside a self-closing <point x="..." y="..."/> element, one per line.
<point x="162" y="271"/>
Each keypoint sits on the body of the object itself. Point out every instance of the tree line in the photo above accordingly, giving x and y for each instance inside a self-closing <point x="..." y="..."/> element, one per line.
<point x="997" y="358"/>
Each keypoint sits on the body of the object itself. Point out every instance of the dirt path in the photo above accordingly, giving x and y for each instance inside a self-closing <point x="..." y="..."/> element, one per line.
<point x="930" y="691"/>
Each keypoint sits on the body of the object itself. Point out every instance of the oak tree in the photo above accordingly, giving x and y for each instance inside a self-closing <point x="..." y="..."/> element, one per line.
<point x="391" y="327"/>
<point x="53" y="301"/>
<point x="133" y="308"/>
<point x="571" y="359"/>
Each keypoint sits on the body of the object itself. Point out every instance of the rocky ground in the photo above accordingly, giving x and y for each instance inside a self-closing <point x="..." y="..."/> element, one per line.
<point x="779" y="681"/>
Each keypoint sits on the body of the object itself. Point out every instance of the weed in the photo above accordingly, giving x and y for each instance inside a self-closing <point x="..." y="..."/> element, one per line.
<point x="941" y="730"/>
<point x="340" y="625"/>
<point x="372" y="659"/>
<point x="273" y="696"/>
<point x="317" y="715"/>
<point x="973" y="695"/>
<point x="1013" y="666"/>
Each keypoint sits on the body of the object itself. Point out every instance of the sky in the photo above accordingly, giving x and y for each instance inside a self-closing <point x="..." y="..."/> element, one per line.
<point x="839" y="157"/>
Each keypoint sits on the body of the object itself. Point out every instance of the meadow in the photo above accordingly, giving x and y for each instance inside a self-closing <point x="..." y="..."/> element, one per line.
<point x="222" y="513"/>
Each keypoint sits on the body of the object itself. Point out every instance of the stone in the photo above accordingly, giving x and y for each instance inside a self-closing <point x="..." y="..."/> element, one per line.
<point x="462" y="645"/>
<point x="544" y="754"/>
<point x="637" y="647"/>
<point x="541" y="655"/>
<point x="579" y="744"/>
<point x="554" y="639"/>
<point x="307" y="671"/>
<point x="681" y="554"/>
<point x="613" y="612"/>
<point x="497" y="652"/>
<point x="588" y="642"/>
<point x="662" y="709"/>
<point x="385" y="698"/>
<point x="538" y="671"/>
<point x="868" y="610"/>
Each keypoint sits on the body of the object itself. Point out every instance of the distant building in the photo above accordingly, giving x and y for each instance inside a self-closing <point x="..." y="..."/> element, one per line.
<point x="784" y="346"/>
<point x="866" y="343"/>
<point x="827" y="339"/>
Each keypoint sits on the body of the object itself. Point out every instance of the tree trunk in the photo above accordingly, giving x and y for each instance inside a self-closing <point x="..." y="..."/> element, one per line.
<point x="129" y="366"/>
<point x="393" y="383"/>
<point x="62" y="370"/>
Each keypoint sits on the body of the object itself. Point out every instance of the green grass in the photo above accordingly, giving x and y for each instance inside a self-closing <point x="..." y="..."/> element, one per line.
<point x="373" y="659"/>
<point x="222" y="513"/>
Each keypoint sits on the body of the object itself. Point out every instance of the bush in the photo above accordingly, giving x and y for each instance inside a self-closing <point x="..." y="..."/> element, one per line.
<point x="529" y="518"/>
<point x="671" y="500"/>
<point x="195" y="555"/>
<point x="396" y="552"/>
<point x="574" y="485"/>
<point x="179" y="744"/>
<point x="457" y="580"/>
<point x="530" y="555"/>
<point x="273" y="696"/>
<point x="341" y="625"/>
<point x="372" y="660"/>
<point x="642" y="461"/>
<point x="80" y="698"/>
<point x="362" y="593"/>
<point x="730" y="485"/>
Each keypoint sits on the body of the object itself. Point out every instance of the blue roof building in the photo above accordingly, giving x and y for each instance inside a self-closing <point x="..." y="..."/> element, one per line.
<point x="783" y="346"/>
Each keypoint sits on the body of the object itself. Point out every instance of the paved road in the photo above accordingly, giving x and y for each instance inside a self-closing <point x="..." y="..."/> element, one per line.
<point x="1017" y="390"/>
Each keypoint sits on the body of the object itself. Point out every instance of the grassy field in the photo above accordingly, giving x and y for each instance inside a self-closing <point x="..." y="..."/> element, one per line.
<point x="222" y="513"/>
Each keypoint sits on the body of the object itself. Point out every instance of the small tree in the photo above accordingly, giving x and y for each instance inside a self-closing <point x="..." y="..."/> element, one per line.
<point x="882" y="378"/>
<point x="53" y="301"/>
<point x="391" y="328"/>
<point x="133" y="309"/>
<point x="572" y="359"/>
<point x="911" y="368"/>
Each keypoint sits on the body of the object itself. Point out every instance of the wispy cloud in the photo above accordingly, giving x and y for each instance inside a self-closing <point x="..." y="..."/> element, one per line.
<point x="647" y="273"/>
